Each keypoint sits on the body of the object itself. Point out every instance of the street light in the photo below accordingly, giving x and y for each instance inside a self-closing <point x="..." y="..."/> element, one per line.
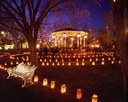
<point x="2" y="32"/>
<point x="114" y="0"/>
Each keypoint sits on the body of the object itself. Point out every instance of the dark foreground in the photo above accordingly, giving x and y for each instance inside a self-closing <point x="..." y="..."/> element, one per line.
<point x="11" y="91"/>
<point x="105" y="81"/>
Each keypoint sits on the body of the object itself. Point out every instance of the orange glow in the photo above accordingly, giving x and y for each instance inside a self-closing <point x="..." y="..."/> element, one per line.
<point x="36" y="78"/>
<point x="40" y="60"/>
<point x="58" y="63"/>
<point x="77" y="63"/>
<point x="5" y="64"/>
<point x="53" y="64"/>
<point x="96" y="59"/>
<point x="77" y="60"/>
<point x="56" y="60"/>
<point x="112" y="62"/>
<point x="109" y="58"/>
<point x="42" y="63"/>
<point x="102" y="59"/>
<point x="94" y="98"/>
<point x="47" y="64"/>
<point x="102" y="63"/>
<point x="28" y="63"/>
<point x="83" y="63"/>
<point x="79" y="94"/>
<point x="5" y="69"/>
<point x="62" y="60"/>
<point x="45" y="60"/>
<point x="63" y="64"/>
<point x="17" y="62"/>
<point x="93" y="63"/>
<point x="52" y="84"/>
<point x="11" y="63"/>
<point x="45" y="82"/>
<point x="63" y="88"/>
<point x="69" y="63"/>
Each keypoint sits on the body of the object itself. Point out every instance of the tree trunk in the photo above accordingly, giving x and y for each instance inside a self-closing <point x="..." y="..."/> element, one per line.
<point x="123" y="52"/>
<point x="122" y="44"/>
<point x="33" y="56"/>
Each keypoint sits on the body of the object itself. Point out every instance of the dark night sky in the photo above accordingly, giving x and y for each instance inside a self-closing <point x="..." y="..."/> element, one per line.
<point x="93" y="20"/>
<point x="96" y="13"/>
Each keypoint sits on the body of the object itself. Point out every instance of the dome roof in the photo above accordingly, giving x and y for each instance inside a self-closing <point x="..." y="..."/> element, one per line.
<point x="68" y="29"/>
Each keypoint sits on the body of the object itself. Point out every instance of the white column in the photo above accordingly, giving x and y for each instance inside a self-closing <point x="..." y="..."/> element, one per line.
<point x="72" y="39"/>
<point x="55" y="41"/>
<point x="78" y="38"/>
<point x="61" y="39"/>
<point x="77" y="41"/>
<point x="65" y="42"/>
<point x="83" y="42"/>
<point x="80" y="41"/>
<point x="85" y="38"/>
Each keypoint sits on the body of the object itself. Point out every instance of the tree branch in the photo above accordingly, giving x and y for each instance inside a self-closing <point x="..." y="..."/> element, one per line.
<point x="12" y="15"/>
<point x="37" y="7"/>
<point x="18" y="8"/>
<point x="11" y="27"/>
<point x="10" y="6"/>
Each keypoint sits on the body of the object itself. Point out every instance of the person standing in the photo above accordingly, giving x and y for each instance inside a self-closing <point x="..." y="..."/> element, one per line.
<point x="45" y="51"/>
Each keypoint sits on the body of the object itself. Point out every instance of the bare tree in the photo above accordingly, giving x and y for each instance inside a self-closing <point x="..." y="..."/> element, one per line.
<point x="28" y="16"/>
<point x="104" y="38"/>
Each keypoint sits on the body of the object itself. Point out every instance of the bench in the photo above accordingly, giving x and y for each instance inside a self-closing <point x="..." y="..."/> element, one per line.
<point x="25" y="72"/>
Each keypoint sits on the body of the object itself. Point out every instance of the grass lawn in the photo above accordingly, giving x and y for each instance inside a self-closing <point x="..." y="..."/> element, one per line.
<point x="105" y="81"/>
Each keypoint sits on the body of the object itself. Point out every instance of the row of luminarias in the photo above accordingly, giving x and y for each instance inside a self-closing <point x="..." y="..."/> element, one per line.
<point x="62" y="62"/>
<point x="74" y="55"/>
<point x="64" y="88"/>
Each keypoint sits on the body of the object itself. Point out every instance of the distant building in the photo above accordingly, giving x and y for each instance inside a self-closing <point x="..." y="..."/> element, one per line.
<point x="70" y="38"/>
